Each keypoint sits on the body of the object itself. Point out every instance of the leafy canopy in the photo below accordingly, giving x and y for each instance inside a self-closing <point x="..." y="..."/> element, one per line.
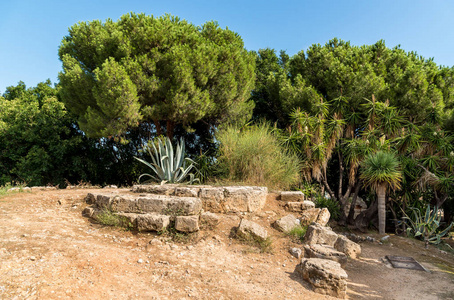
<point x="164" y="70"/>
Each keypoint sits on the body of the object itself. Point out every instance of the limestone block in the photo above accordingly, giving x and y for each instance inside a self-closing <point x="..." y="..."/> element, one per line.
<point x="90" y="198"/>
<point x="88" y="212"/>
<point x="164" y="189"/>
<point x="325" y="252"/>
<point x="244" y="198"/>
<point x="287" y="223"/>
<point x="213" y="199"/>
<point x="296" y="252"/>
<point x="299" y="206"/>
<point x="292" y="196"/>
<point x="248" y="229"/>
<point x="323" y="217"/>
<point x="169" y="205"/>
<point x="187" y="191"/>
<point x="152" y="222"/>
<point x="326" y="276"/>
<point x="209" y="219"/>
<point x="317" y="234"/>
<point x="350" y="248"/>
<point x="124" y="204"/>
<point x="309" y="216"/>
<point x="103" y="201"/>
<point x="187" y="223"/>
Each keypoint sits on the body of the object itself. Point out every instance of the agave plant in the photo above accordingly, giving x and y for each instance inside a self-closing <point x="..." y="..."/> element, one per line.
<point x="426" y="226"/>
<point x="167" y="166"/>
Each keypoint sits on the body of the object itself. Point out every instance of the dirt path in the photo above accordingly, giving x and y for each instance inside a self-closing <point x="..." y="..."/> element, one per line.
<point x="49" y="251"/>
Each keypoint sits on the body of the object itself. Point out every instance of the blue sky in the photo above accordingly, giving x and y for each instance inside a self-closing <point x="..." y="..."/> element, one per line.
<point x="31" y="31"/>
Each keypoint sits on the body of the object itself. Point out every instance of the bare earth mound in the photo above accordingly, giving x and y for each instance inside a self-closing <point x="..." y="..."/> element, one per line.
<point x="49" y="251"/>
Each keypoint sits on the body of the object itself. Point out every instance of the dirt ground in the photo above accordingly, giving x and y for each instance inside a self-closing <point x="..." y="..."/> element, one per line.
<point x="49" y="251"/>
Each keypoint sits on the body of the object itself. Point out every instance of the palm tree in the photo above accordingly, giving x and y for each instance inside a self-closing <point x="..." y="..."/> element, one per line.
<point x="381" y="171"/>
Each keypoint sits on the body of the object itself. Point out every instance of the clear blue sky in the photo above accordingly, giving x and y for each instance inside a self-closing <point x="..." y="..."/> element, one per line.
<point x="31" y="30"/>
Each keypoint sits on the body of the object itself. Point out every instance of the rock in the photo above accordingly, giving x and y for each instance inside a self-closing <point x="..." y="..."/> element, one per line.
<point x="292" y="196"/>
<point x="244" y="198"/>
<point x="90" y="199"/>
<point x="112" y="186"/>
<point x="323" y="217"/>
<point x="360" y="205"/>
<point x="152" y="222"/>
<point x="32" y="258"/>
<point x="350" y="248"/>
<point x="385" y="239"/>
<point x="209" y="220"/>
<point x="309" y="216"/>
<point x="287" y="223"/>
<point x="88" y="212"/>
<point x="213" y="199"/>
<point x="325" y="252"/>
<point x="296" y="252"/>
<point x="317" y="234"/>
<point x="164" y="189"/>
<point x="187" y="191"/>
<point x="299" y="206"/>
<point x="326" y="276"/>
<point x="140" y="261"/>
<point x="248" y="229"/>
<point x="187" y="223"/>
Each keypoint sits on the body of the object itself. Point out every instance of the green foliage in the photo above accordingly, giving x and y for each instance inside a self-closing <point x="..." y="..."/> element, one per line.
<point x="142" y="69"/>
<point x="298" y="232"/>
<point x="254" y="156"/>
<point x="381" y="168"/>
<point x="167" y="166"/>
<point x="331" y="204"/>
<point x="426" y="226"/>
<point x="264" y="246"/>
<point x="10" y="189"/>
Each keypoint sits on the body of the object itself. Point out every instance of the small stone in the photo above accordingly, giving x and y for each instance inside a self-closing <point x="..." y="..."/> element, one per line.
<point x="385" y="239"/>
<point x="296" y="252"/>
<point x="140" y="261"/>
<point x="32" y="258"/>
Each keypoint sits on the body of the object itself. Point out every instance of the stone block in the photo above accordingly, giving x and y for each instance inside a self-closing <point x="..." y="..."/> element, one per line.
<point x="244" y="198"/>
<point x="309" y="216"/>
<point x="169" y="205"/>
<point x="287" y="223"/>
<point x="164" y="189"/>
<point x="152" y="222"/>
<point x="299" y="206"/>
<point x="248" y="229"/>
<point x="323" y="217"/>
<point x="292" y="196"/>
<point x="124" y="204"/>
<point x="213" y="199"/>
<point x="187" y="223"/>
<point x="325" y="252"/>
<point x="187" y="191"/>
<point x="209" y="220"/>
<point x="350" y="248"/>
<point x="317" y="234"/>
<point x="326" y="276"/>
<point x="90" y="198"/>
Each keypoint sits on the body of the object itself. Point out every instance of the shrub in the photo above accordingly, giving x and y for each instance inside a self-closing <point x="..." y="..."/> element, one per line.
<point x="330" y="204"/>
<point x="298" y="232"/>
<point x="254" y="156"/>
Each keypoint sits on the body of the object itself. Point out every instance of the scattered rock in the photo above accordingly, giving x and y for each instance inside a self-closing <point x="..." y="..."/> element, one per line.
<point x="325" y="252"/>
<point x="385" y="239"/>
<point x="187" y="223"/>
<point x="299" y="206"/>
<point x="32" y="258"/>
<point x="317" y="234"/>
<point x="326" y="276"/>
<point x="293" y="196"/>
<point x="296" y="252"/>
<point x="309" y="216"/>
<point x="248" y="229"/>
<point x="287" y="223"/>
<point x="323" y="217"/>
<point x="350" y="248"/>
<point x="140" y="261"/>
<point x="88" y="212"/>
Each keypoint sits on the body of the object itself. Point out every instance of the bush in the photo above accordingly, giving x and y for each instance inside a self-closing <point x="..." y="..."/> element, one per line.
<point x="330" y="204"/>
<point x="254" y="156"/>
<point x="298" y="232"/>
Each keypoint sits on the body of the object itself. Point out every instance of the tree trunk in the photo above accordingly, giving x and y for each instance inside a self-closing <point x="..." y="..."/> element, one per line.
<point x="351" y="213"/>
<point x="158" y="127"/>
<point x="170" y="125"/>
<point x="381" y="197"/>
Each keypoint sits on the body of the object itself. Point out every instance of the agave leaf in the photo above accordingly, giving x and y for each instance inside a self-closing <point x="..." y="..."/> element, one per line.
<point x="427" y="216"/>
<point x="145" y="174"/>
<point x="446" y="230"/>
<point x="169" y="150"/>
